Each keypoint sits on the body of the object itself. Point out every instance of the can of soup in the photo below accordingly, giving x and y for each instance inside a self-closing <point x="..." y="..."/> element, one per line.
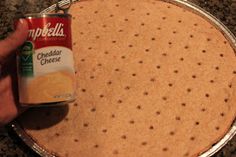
<point x="45" y="63"/>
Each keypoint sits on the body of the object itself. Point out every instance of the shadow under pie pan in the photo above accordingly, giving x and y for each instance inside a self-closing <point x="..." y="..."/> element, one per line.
<point x="156" y="78"/>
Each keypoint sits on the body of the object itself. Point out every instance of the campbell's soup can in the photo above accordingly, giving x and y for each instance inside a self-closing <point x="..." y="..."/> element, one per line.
<point x="45" y="62"/>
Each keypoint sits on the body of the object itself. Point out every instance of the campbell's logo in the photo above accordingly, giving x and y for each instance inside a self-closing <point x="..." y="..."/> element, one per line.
<point x="47" y="31"/>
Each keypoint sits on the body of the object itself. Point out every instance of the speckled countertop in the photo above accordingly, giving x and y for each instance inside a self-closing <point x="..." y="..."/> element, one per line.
<point x="225" y="10"/>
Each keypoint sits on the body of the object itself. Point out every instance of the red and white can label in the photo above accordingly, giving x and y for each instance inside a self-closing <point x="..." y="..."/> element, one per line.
<point x="45" y="62"/>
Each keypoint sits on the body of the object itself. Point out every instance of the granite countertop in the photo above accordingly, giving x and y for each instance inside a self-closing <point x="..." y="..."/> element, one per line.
<point x="225" y="10"/>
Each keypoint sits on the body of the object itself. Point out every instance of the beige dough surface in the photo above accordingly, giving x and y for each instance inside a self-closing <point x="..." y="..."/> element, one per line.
<point x="153" y="80"/>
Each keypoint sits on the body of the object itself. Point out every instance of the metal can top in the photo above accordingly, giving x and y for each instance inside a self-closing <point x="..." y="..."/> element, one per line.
<point x="40" y="15"/>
